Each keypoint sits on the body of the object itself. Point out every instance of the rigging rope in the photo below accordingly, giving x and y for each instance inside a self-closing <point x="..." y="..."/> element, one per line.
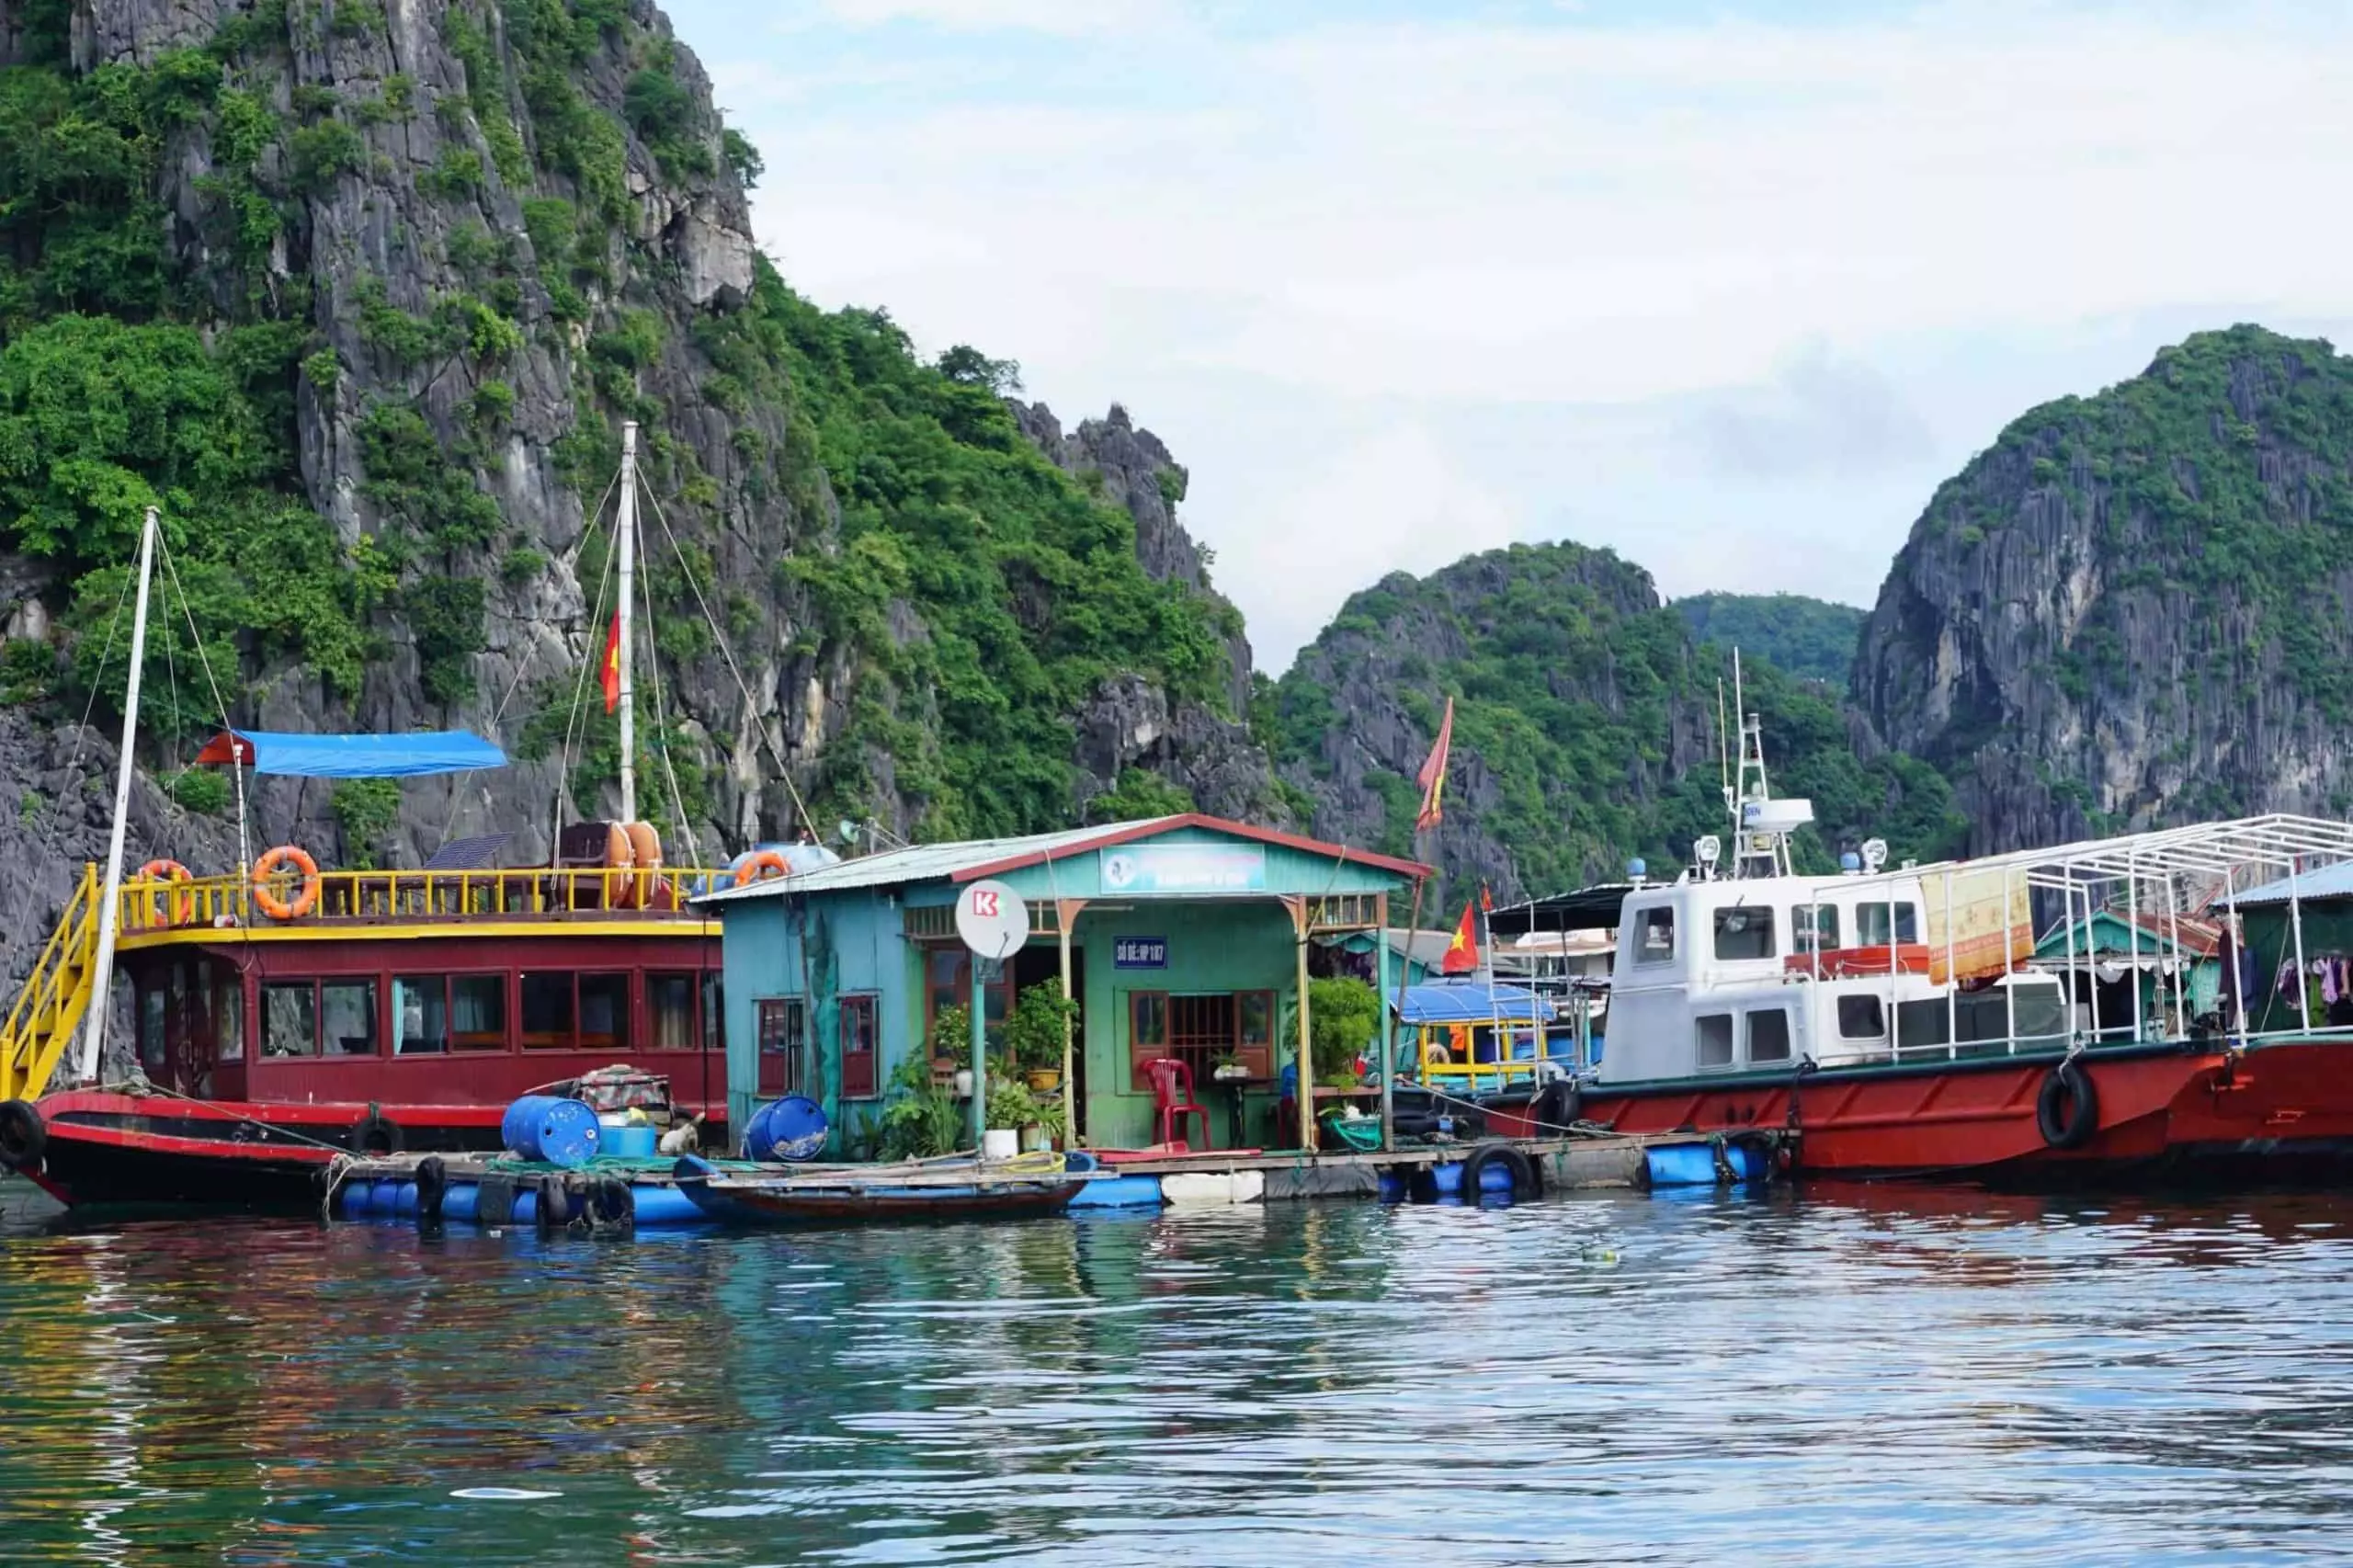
<point x="114" y="624"/>
<point x="751" y="710"/>
<point x="662" y="726"/>
<point x="575" y="722"/>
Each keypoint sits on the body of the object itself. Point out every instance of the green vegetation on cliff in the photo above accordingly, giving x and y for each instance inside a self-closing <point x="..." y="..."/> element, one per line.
<point x="1585" y="723"/>
<point x="1810" y="639"/>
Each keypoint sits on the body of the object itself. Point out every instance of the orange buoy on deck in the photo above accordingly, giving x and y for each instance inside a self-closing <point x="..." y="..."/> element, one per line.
<point x="175" y="903"/>
<point x="277" y="869"/>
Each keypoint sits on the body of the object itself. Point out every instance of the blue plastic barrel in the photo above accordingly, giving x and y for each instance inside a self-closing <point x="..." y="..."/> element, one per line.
<point x="666" y="1206"/>
<point x="1119" y="1192"/>
<point x="352" y="1198"/>
<point x="794" y="1127"/>
<point x="1447" y="1179"/>
<point x="1681" y="1165"/>
<point x="543" y="1127"/>
<point x="462" y="1202"/>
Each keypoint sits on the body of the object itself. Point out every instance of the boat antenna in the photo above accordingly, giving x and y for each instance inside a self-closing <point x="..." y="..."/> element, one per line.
<point x="1723" y="745"/>
<point x="626" y="526"/>
<point x="110" y="900"/>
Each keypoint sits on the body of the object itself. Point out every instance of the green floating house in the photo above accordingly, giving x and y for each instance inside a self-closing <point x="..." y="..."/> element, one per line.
<point x="2169" y="959"/>
<point x="1181" y="937"/>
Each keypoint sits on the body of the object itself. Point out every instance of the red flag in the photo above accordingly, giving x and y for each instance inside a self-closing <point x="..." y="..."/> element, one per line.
<point x="613" y="665"/>
<point x="1486" y="900"/>
<point x="1462" y="953"/>
<point x="1432" y="778"/>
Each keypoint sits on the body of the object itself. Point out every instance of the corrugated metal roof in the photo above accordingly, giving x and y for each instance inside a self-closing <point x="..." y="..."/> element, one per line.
<point x="2320" y="881"/>
<point x="930" y="862"/>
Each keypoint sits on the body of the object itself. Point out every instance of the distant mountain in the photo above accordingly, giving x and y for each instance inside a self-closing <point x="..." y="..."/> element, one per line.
<point x="2136" y="607"/>
<point x="1811" y="639"/>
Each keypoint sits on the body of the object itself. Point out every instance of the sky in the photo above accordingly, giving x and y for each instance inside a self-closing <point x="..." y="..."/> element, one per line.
<point x="1727" y="287"/>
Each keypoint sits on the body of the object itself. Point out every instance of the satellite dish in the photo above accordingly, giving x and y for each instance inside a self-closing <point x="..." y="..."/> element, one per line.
<point x="992" y="919"/>
<point x="848" y="830"/>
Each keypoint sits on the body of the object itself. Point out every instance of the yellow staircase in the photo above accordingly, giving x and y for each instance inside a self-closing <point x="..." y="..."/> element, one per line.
<point x="41" y="1026"/>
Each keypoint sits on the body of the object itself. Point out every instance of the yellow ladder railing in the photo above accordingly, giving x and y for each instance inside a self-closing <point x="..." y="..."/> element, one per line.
<point x="41" y="1024"/>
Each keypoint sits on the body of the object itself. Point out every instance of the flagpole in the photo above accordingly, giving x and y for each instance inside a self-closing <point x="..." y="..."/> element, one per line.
<point x="1389" y="1040"/>
<point x="627" y="529"/>
<point x="1432" y="779"/>
<point x="1495" y="1007"/>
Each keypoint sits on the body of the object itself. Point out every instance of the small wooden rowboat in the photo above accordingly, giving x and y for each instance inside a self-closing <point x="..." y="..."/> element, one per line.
<point x="958" y="1189"/>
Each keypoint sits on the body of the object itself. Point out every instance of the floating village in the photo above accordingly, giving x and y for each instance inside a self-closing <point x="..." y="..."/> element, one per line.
<point x="1175" y="1011"/>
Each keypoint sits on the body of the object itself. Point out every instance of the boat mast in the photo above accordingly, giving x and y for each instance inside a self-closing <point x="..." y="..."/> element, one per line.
<point x="626" y="524"/>
<point x="111" y="901"/>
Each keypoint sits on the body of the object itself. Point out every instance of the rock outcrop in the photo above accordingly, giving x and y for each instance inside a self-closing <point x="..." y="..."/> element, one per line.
<point x="2136" y="608"/>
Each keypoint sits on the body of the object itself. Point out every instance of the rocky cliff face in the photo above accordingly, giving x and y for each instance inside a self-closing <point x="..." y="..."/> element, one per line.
<point x="2134" y="608"/>
<point x="359" y="293"/>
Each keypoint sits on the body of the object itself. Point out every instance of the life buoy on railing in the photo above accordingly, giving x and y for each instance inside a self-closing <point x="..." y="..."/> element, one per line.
<point x="278" y="867"/>
<point x="645" y="861"/>
<point x="176" y="904"/>
<point x="758" y="866"/>
<point x="1848" y="963"/>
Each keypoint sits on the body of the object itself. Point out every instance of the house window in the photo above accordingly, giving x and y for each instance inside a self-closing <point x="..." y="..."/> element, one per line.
<point x="948" y="973"/>
<point x="1871" y="921"/>
<point x="604" y="1012"/>
<point x="1255" y="1049"/>
<point x="1745" y="933"/>
<point x="420" y="1015"/>
<point x="478" y="1012"/>
<point x="858" y="1047"/>
<point x="1147" y="1034"/>
<point x="1654" y="936"/>
<point x="781" y="1023"/>
<point x="1813" y="927"/>
<point x="1769" y="1035"/>
<point x="347" y="1016"/>
<point x="1861" y="1017"/>
<point x="290" y="1018"/>
<point x="546" y="1011"/>
<point x="1715" y="1039"/>
<point x="670" y="1004"/>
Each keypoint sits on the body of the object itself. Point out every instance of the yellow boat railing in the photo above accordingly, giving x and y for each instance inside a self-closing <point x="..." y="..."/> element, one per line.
<point x="339" y="897"/>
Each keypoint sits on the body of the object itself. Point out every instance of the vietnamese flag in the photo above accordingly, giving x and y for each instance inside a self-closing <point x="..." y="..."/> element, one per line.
<point x="613" y="665"/>
<point x="1462" y="953"/>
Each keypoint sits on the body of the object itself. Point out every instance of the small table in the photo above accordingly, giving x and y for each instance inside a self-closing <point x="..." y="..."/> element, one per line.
<point x="1235" y="1088"/>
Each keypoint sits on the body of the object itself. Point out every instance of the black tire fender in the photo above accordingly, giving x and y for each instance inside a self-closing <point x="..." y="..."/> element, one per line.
<point x="612" y="1204"/>
<point x="2067" y="1110"/>
<point x="432" y="1186"/>
<point x="1524" y="1180"/>
<point x="1558" y="1106"/>
<point x="24" y="1136"/>
<point x="376" y="1133"/>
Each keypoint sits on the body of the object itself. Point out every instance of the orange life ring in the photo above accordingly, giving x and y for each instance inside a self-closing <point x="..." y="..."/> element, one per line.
<point x="645" y="860"/>
<point x="175" y="905"/>
<point x="274" y="867"/>
<point x="760" y="866"/>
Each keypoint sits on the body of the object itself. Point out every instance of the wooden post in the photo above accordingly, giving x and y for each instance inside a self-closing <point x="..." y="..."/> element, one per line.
<point x="1390" y="1024"/>
<point x="1065" y="912"/>
<point x="1306" y="1058"/>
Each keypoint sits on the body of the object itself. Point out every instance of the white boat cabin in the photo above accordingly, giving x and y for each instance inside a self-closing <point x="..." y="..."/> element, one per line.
<point x="1746" y="974"/>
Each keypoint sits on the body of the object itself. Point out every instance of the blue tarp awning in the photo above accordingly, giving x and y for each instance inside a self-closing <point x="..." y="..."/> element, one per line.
<point x="356" y="756"/>
<point x="1470" y="1002"/>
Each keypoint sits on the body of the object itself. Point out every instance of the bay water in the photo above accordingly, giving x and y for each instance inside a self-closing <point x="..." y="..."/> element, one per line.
<point x="1872" y="1375"/>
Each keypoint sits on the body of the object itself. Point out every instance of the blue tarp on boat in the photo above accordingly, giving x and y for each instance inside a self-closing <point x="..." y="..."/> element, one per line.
<point x="1470" y="1002"/>
<point x="356" y="756"/>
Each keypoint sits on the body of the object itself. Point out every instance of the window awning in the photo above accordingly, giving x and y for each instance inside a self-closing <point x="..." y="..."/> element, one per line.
<point x="354" y="757"/>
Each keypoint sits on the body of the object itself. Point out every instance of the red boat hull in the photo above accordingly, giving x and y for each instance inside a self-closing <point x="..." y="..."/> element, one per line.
<point x="1948" y="1117"/>
<point x="112" y="1149"/>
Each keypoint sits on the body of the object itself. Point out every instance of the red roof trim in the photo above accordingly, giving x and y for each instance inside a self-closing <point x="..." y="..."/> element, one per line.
<point x="1110" y="836"/>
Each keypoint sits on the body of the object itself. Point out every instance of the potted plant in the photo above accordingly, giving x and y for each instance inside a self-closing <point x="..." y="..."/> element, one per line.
<point x="1227" y="1069"/>
<point x="920" y="1118"/>
<point x="951" y="1040"/>
<point x="1034" y="1033"/>
<point x="1012" y="1109"/>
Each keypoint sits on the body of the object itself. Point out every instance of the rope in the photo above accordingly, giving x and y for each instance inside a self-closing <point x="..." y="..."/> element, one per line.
<point x="1574" y="1129"/>
<point x="143" y="1084"/>
<point x="574" y="722"/>
<point x="661" y="728"/>
<point x="114" y="625"/>
<point x="784" y="770"/>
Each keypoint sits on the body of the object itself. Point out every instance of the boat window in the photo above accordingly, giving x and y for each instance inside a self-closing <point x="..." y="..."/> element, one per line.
<point x="228" y="1014"/>
<point x="347" y="1016"/>
<point x="152" y="1009"/>
<point x="2040" y="1014"/>
<point x="670" y="1004"/>
<point x="420" y="1015"/>
<point x="714" y="1019"/>
<point x="858" y="1046"/>
<point x="1654" y="936"/>
<point x="1870" y="924"/>
<point x="290" y="1018"/>
<point x="604" y="1012"/>
<point x="1861" y="1017"/>
<point x="1813" y="927"/>
<point x="1769" y="1035"/>
<point x="1920" y="1024"/>
<point x="478" y="1012"/>
<point x="1715" y="1039"/>
<point x="546" y="1011"/>
<point x="1745" y="933"/>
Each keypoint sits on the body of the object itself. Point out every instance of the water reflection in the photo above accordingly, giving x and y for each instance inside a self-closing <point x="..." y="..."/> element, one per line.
<point x="1866" y="1373"/>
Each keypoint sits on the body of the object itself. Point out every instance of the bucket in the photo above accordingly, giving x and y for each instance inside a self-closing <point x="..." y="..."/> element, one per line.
<point x="626" y="1143"/>
<point x="542" y="1127"/>
<point x="794" y="1127"/>
<point x="1000" y="1143"/>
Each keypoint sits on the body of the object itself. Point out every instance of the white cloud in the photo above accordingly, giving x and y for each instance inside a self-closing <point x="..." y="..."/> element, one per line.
<point x="1623" y="241"/>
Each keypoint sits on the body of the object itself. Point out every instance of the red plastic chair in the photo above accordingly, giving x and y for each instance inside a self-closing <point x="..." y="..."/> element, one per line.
<point x="1172" y="1095"/>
